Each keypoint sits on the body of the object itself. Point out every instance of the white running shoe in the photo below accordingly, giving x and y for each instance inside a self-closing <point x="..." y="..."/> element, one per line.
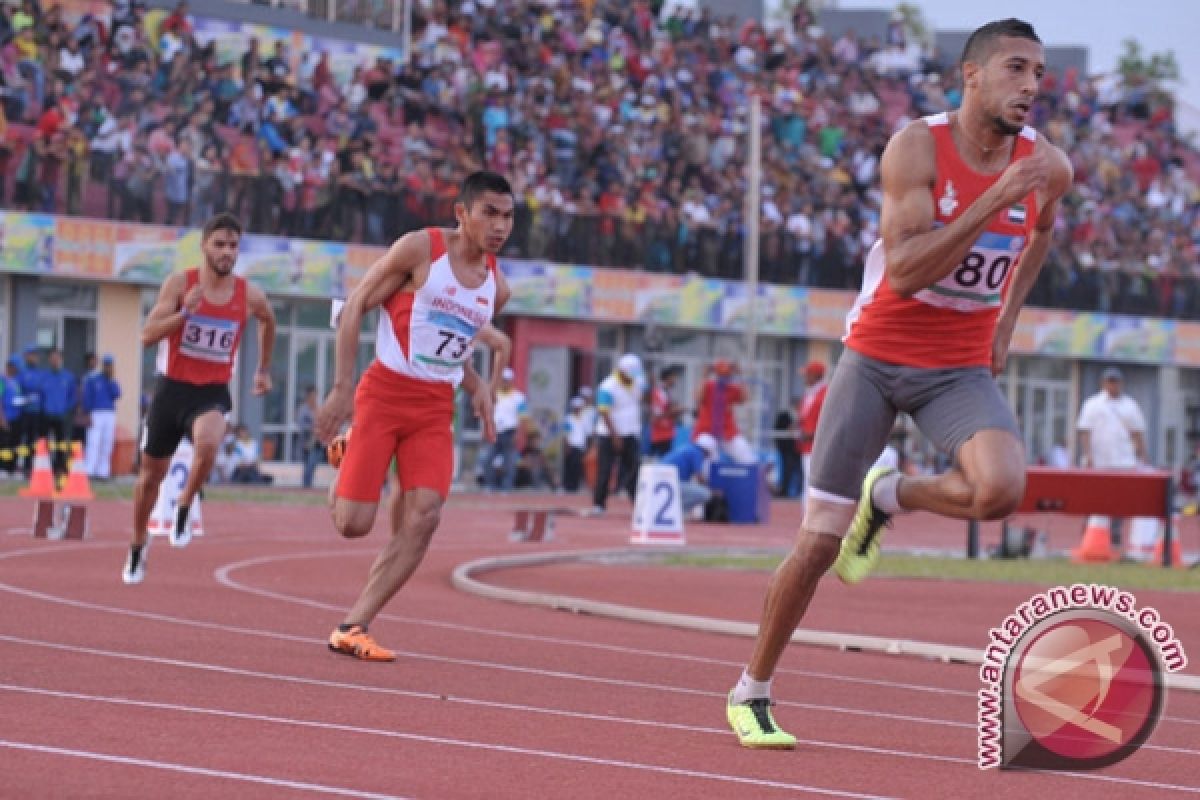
<point x="135" y="565"/>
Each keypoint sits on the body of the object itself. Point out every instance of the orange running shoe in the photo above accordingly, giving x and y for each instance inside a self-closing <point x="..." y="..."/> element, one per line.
<point x="358" y="643"/>
<point x="336" y="449"/>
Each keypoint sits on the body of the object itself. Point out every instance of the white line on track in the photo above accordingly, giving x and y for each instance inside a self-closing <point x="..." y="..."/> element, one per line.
<point x="279" y="783"/>
<point x="223" y="575"/>
<point x="487" y="665"/>
<point x="493" y="665"/>
<point x="276" y="677"/>
<point x="435" y="740"/>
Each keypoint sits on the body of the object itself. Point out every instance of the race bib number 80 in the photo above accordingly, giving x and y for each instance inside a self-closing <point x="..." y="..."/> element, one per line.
<point x="977" y="283"/>
<point x="209" y="339"/>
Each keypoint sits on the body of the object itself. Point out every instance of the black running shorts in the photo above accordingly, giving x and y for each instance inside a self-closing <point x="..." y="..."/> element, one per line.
<point x="173" y="410"/>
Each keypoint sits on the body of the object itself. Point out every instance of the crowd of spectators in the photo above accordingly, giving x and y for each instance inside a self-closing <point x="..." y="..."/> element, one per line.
<point x="624" y="135"/>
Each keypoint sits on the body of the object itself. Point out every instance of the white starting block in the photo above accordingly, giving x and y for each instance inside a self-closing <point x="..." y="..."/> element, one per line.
<point x="533" y="525"/>
<point x="162" y="518"/>
<point x="70" y="523"/>
<point x="658" y="510"/>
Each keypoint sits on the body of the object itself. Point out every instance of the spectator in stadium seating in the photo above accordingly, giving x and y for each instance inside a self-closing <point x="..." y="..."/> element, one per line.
<point x="547" y="95"/>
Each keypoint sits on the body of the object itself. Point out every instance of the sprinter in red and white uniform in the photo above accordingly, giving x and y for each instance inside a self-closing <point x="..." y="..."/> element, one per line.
<point x="437" y="291"/>
<point x="200" y="314"/>
<point x="969" y="203"/>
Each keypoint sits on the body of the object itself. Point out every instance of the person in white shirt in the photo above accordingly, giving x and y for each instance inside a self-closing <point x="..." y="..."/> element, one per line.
<point x="509" y="411"/>
<point x="1112" y="432"/>
<point x="575" y="441"/>
<point x="588" y="412"/>
<point x="618" y="429"/>
<point x="1112" y="429"/>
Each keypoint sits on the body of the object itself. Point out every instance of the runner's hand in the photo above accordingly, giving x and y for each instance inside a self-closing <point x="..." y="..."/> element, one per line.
<point x="262" y="383"/>
<point x="1023" y="176"/>
<point x="333" y="412"/>
<point x="481" y="402"/>
<point x="191" y="300"/>
<point x="1000" y="345"/>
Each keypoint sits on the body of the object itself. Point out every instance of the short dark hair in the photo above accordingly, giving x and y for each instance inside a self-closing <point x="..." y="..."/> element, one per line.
<point x="980" y="44"/>
<point x="223" y="221"/>
<point x="483" y="181"/>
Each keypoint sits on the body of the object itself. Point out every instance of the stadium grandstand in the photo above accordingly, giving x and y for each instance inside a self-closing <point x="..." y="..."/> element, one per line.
<point x="331" y="128"/>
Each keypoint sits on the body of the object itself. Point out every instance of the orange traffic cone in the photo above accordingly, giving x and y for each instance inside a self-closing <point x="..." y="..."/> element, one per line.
<point x="1176" y="548"/>
<point x="77" y="486"/>
<point x="1096" y="545"/>
<point x="41" y="482"/>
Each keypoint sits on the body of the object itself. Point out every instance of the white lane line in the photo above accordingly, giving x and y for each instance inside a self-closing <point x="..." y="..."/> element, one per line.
<point x="462" y="662"/>
<point x="486" y="665"/>
<point x="223" y="576"/>
<point x="968" y="762"/>
<point x="440" y="740"/>
<point x="280" y="783"/>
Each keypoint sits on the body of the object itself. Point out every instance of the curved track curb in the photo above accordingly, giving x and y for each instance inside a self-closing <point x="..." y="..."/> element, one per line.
<point x="465" y="580"/>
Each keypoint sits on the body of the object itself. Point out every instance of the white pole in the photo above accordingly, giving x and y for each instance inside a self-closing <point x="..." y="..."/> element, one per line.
<point x="750" y="258"/>
<point x="407" y="36"/>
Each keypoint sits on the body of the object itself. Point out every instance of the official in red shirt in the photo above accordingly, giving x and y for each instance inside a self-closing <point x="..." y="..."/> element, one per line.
<point x="809" y="411"/>
<point x="663" y="413"/>
<point x="714" y="411"/>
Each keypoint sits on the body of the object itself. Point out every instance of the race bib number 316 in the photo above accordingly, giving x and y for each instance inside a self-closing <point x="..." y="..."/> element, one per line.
<point x="209" y="339"/>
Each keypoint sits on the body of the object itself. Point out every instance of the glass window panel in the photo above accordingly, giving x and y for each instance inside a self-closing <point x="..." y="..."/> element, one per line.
<point x="330" y="371"/>
<point x="305" y="368"/>
<point x="283" y="312"/>
<point x="274" y="410"/>
<point x="73" y="296"/>
<point x="313" y="314"/>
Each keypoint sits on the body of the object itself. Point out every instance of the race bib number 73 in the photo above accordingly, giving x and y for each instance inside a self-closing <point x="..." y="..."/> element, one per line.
<point x="209" y="339"/>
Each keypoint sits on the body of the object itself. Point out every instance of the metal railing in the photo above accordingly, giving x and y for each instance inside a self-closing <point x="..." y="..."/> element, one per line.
<point x="387" y="15"/>
<point x="382" y="212"/>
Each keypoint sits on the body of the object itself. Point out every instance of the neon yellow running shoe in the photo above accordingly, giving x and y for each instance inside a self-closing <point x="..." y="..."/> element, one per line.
<point x="754" y="725"/>
<point x="861" y="545"/>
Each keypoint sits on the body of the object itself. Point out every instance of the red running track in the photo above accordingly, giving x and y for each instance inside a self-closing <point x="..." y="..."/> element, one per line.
<point x="212" y="677"/>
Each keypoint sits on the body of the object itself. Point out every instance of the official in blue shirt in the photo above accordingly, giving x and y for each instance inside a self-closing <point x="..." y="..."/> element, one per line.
<point x="32" y="425"/>
<point x="100" y="394"/>
<point x="691" y="460"/>
<point x="10" y="425"/>
<point x="60" y="396"/>
<point x="31" y="378"/>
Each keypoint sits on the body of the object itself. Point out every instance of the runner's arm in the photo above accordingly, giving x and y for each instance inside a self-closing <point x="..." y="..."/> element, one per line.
<point x="1030" y="265"/>
<point x="917" y="254"/>
<point x="168" y="314"/>
<point x="501" y="347"/>
<point x="385" y="277"/>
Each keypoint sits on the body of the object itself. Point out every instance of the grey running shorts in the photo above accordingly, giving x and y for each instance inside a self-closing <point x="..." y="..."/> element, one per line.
<point x="949" y="406"/>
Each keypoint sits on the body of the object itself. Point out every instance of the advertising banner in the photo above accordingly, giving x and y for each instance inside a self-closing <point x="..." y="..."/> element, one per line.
<point x="146" y="254"/>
